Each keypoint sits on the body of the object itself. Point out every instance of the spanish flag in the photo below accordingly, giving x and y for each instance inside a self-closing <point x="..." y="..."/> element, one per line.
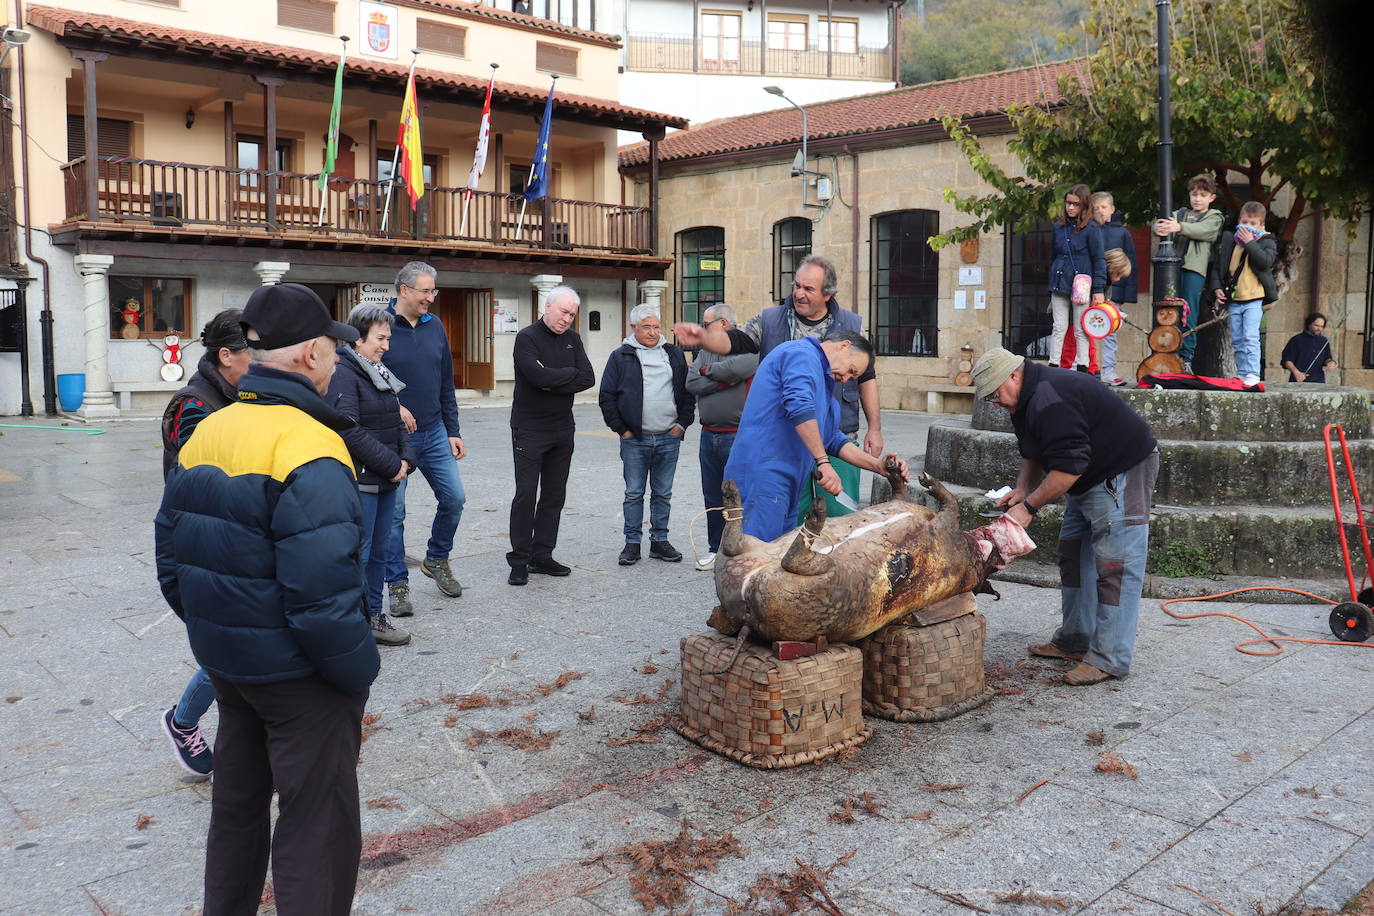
<point x="408" y="141"/>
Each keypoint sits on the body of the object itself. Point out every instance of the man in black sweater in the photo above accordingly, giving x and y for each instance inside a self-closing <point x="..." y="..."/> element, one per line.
<point x="1080" y="440"/>
<point x="550" y="367"/>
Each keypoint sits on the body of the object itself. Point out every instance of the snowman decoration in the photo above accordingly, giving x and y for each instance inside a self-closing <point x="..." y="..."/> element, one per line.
<point x="171" y="370"/>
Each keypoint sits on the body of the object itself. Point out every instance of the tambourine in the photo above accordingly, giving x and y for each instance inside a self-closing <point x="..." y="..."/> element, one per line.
<point x="1101" y="320"/>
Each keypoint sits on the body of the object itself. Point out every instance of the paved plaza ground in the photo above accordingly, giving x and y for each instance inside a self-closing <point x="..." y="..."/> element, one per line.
<point x="1252" y="775"/>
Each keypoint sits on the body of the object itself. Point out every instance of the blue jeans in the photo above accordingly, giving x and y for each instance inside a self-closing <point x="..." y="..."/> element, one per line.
<point x="1244" y="318"/>
<point x="714" y="452"/>
<point x="441" y="470"/>
<point x="1102" y="550"/>
<point x="379" y="509"/>
<point x="653" y="458"/>
<point x="195" y="700"/>
<point x="1190" y="290"/>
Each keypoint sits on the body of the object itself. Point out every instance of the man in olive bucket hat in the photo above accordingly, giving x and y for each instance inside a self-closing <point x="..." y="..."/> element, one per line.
<point x="1080" y="440"/>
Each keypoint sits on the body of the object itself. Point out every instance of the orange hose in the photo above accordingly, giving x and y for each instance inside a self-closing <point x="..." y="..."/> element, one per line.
<point x="1264" y="637"/>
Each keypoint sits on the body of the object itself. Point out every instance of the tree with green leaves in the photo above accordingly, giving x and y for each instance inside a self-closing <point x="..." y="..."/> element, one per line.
<point x="1250" y="104"/>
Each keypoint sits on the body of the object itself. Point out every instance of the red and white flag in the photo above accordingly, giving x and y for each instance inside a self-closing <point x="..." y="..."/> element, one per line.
<point x="479" y="159"/>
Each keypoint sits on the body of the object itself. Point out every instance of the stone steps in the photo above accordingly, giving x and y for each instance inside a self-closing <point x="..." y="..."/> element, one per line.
<point x="1208" y="473"/>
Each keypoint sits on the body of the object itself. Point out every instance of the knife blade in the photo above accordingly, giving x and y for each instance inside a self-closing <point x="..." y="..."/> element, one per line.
<point x="844" y="499"/>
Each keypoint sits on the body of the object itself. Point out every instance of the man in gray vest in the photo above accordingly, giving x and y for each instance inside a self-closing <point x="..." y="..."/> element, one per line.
<point x="811" y="311"/>
<point x="720" y="384"/>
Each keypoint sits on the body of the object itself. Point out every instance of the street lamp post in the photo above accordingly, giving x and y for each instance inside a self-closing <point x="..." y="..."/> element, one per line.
<point x="798" y="164"/>
<point x="1166" y="260"/>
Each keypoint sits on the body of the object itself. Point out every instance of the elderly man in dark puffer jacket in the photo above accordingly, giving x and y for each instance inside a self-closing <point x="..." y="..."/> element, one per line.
<point x="258" y="552"/>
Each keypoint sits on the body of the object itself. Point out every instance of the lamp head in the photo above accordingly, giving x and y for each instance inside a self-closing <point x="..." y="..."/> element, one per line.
<point x="14" y="36"/>
<point x="774" y="90"/>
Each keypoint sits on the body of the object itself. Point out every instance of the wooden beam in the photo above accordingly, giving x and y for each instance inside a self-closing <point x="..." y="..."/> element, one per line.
<point x="90" y="111"/>
<point x="270" y="84"/>
<point x="696" y="35"/>
<point x="763" y="37"/>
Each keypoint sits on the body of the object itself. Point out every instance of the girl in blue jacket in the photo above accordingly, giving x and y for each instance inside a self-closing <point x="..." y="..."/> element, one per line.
<point x="1077" y="250"/>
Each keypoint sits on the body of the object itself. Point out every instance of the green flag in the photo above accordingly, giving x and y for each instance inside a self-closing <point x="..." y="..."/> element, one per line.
<point x="331" y="149"/>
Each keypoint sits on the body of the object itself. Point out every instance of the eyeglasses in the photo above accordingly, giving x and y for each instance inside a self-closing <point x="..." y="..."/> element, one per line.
<point x="711" y="322"/>
<point x="423" y="292"/>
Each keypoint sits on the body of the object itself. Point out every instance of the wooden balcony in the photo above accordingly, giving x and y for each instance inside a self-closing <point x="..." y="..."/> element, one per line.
<point x="179" y="195"/>
<point x="666" y="53"/>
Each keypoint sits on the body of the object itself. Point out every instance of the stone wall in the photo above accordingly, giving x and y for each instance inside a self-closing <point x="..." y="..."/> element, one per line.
<point x="747" y="197"/>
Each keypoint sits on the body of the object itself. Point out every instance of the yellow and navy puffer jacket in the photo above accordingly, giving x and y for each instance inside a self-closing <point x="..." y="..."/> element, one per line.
<point x="258" y="540"/>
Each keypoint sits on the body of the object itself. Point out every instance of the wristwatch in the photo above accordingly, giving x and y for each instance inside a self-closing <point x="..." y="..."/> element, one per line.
<point x="1030" y="510"/>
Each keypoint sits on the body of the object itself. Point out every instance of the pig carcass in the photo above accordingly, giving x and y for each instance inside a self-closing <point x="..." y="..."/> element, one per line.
<point x="847" y="577"/>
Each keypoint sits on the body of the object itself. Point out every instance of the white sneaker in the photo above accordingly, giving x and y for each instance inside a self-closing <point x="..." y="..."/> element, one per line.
<point x="707" y="563"/>
<point x="1250" y="380"/>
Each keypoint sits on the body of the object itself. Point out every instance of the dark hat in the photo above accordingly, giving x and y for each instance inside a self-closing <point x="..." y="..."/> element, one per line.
<point x="288" y="313"/>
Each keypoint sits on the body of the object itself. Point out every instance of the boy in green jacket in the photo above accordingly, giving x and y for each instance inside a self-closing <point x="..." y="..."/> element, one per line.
<point x="1199" y="226"/>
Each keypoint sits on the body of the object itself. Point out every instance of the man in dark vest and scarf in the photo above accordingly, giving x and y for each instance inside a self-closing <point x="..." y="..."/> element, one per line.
<point x="811" y="311"/>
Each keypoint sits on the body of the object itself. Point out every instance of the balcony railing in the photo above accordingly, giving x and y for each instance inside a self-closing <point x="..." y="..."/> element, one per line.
<point x="183" y="194"/>
<point x="679" y="53"/>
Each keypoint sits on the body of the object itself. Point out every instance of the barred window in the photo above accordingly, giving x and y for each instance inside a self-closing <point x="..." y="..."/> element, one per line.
<point x="701" y="270"/>
<point x="791" y="243"/>
<point x="906" y="283"/>
<point x="1026" y="322"/>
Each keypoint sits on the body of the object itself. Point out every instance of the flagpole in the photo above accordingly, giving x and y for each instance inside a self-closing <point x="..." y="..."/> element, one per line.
<point x="324" y="184"/>
<point x="520" y="224"/>
<point x="396" y="154"/>
<point x="467" y="192"/>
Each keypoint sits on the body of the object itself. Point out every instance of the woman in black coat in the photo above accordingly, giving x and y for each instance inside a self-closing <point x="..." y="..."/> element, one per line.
<point x="365" y="390"/>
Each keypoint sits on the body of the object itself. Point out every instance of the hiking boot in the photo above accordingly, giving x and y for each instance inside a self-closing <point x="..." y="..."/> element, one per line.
<point x="549" y="566"/>
<point x="400" y="599"/>
<point x="1187" y="367"/>
<point x="629" y="556"/>
<point x="662" y="550"/>
<point x="192" y="752"/>
<point x="387" y="633"/>
<point x="1084" y="675"/>
<point x="1050" y="650"/>
<point x="519" y="575"/>
<point x="443" y="577"/>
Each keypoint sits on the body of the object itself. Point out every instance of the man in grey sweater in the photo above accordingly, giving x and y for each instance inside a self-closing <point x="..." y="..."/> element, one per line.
<point x="720" y="384"/>
<point x="644" y="400"/>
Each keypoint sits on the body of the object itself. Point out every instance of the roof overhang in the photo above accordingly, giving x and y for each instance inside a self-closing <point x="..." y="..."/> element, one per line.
<point x="147" y="41"/>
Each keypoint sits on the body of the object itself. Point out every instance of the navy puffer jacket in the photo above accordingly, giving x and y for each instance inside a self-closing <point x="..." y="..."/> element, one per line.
<point x="258" y="540"/>
<point x="1077" y="251"/>
<point x="1116" y="235"/>
<point x="379" y="442"/>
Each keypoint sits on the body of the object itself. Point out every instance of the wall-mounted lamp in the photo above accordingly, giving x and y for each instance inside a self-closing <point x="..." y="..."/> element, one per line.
<point x="13" y="38"/>
<point x="749" y="6"/>
<point x="190" y="117"/>
<point x="799" y="163"/>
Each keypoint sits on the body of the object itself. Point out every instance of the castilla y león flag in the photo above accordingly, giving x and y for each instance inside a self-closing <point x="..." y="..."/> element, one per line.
<point x="412" y="170"/>
<point x="479" y="159"/>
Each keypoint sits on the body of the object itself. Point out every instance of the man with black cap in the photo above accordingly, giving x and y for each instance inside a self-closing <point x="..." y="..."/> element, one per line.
<point x="1082" y="441"/>
<point x="258" y="541"/>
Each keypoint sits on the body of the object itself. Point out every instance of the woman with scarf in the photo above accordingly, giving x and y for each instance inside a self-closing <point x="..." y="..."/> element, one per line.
<point x="365" y="390"/>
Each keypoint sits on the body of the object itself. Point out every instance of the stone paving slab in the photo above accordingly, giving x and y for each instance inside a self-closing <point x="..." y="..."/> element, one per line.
<point x="91" y="659"/>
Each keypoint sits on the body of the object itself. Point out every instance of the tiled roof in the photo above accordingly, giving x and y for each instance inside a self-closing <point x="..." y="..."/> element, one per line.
<point x="101" y="28"/>
<point x="478" y="11"/>
<point x="967" y="97"/>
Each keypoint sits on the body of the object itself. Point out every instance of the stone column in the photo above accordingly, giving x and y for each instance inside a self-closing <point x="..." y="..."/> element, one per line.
<point x="99" y="400"/>
<point x="271" y="272"/>
<point x="651" y="293"/>
<point x="543" y="283"/>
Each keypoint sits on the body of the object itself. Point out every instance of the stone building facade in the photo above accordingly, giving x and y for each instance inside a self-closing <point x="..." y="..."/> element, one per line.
<point x="878" y="168"/>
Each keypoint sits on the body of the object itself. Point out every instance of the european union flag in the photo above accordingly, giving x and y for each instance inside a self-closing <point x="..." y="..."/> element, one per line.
<point x="538" y="185"/>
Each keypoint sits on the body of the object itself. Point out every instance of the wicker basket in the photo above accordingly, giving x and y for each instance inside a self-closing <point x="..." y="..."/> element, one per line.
<point x="769" y="713"/>
<point x="925" y="673"/>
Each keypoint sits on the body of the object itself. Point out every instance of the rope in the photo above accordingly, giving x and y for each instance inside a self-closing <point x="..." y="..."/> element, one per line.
<point x="730" y="515"/>
<point x="1264" y="637"/>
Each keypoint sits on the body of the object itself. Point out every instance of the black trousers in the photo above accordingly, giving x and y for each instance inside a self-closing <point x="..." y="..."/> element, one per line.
<point x="542" y="459"/>
<point x="301" y="738"/>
